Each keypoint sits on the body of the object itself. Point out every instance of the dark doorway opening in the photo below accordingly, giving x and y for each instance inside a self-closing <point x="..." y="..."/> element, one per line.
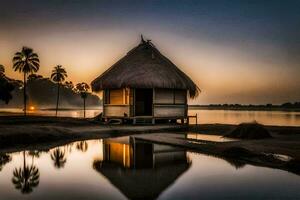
<point x="143" y="102"/>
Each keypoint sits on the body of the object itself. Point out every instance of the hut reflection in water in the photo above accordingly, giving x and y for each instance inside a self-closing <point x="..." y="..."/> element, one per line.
<point x="141" y="170"/>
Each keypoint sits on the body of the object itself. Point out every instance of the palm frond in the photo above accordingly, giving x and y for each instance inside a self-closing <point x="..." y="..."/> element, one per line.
<point x="59" y="74"/>
<point x="26" y="61"/>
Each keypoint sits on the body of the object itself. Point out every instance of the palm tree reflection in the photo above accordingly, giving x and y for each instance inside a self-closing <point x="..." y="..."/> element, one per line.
<point x="26" y="178"/>
<point x="69" y="147"/>
<point x="82" y="146"/>
<point x="59" y="158"/>
<point x="34" y="154"/>
<point x="4" y="159"/>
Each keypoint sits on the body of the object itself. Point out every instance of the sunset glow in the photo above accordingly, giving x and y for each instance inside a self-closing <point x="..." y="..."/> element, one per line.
<point x="149" y="99"/>
<point x="31" y="108"/>
<point x="232" y="61"/>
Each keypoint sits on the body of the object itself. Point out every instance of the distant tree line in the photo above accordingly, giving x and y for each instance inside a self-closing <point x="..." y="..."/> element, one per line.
<point x="39" y="91"/>
<point x="6" y="86"/>
<point x="42" y="93"/>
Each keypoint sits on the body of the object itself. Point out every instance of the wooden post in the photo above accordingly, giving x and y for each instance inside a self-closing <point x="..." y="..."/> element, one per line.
<point x="153" y="101"/>
<point x="153" y="121"/>
<point x="133" y="90"/>
<point x="103" y="102"/>
<point x="196" y="119"/>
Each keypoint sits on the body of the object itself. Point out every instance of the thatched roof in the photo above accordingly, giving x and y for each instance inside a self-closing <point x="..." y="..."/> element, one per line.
<point x="145" y="67"/>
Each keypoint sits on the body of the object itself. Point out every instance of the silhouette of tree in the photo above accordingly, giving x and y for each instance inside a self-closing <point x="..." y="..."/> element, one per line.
<point x="58" y="75"/>
<point x="69" y="85"/>
<point x="82" y="89"/>
<point x="34" y="77"/>
<point x="6" y="87"/>
<point x="58" y="157"/>
<point x="2" y="70"/>
<point x="82" y="146"/>
<point x="26" y="61"/>
<point x="26" y="178"/>
<point x="4" y="159"/>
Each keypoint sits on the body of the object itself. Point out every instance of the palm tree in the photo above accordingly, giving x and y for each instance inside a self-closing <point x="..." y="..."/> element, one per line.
<point x="26" y="61"/>
<point x="58" y="157"/>
<point x="82" y="89"/>
<point x="58" y="75"/>
<point x="26" y="178"/>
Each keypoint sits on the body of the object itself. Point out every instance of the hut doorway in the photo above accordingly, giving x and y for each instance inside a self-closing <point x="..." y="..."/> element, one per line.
<point x="143" y="102"/>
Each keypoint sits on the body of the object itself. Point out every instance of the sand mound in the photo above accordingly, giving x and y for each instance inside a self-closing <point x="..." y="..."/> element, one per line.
<point x="249" y="131"/>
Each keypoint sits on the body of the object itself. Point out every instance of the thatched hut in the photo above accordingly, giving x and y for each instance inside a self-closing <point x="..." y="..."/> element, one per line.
<point x="144" y="84"/>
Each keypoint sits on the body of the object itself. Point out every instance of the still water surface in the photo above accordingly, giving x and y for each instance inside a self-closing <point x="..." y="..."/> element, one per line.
<point x="280" y="118"/>
<point x="124" y="168"/>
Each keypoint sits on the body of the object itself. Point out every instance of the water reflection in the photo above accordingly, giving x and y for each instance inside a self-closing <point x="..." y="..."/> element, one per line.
<point x="82" y="146"/>
<point x="27" y="177"/>
<point x="280" y="118"/>
<point x="126" y="168"/>
<point x="58" y="156"/>
<point x="237" y="164"/>
<point x="206" y="137"/>
<point x="141" y="170"/>
<point x="34" y="153"/>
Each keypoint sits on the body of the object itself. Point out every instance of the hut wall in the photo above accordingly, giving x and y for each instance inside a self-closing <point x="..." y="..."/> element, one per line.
<point x="116" y="103"/>
<point x="164" y="96"/>
<point x="116" y="110"/>
<point x="169" y="111"/>
<point x="116" y="96"/>
<point x="170" y="103"/>
<point x="180" y="97"/>
<point x="167" y="103"/>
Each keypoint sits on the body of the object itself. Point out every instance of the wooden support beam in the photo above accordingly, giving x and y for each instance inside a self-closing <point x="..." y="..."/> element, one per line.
<point x="153" y="120"/>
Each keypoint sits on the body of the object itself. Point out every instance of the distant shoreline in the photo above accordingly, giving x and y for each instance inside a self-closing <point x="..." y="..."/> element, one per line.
<point x="243" y="108"/>
<point x="191" y="107"/>
<point x="52" y="109"/>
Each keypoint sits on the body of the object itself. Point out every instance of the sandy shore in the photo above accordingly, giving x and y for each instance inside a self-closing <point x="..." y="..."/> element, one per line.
<point x="17" y="134"/>
<point x="36" y="132"/>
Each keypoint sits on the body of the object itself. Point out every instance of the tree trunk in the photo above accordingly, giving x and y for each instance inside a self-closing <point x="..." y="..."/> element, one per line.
<point x="25" y="97"/>
<point x="57" y="100"/>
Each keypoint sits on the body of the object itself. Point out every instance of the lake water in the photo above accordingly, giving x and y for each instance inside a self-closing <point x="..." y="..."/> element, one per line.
<point x="126" y="168"/>
<point x="280" y="118"/>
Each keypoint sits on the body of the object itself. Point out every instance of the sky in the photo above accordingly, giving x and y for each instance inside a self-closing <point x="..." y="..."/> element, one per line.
<point x="236" y="51"/>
